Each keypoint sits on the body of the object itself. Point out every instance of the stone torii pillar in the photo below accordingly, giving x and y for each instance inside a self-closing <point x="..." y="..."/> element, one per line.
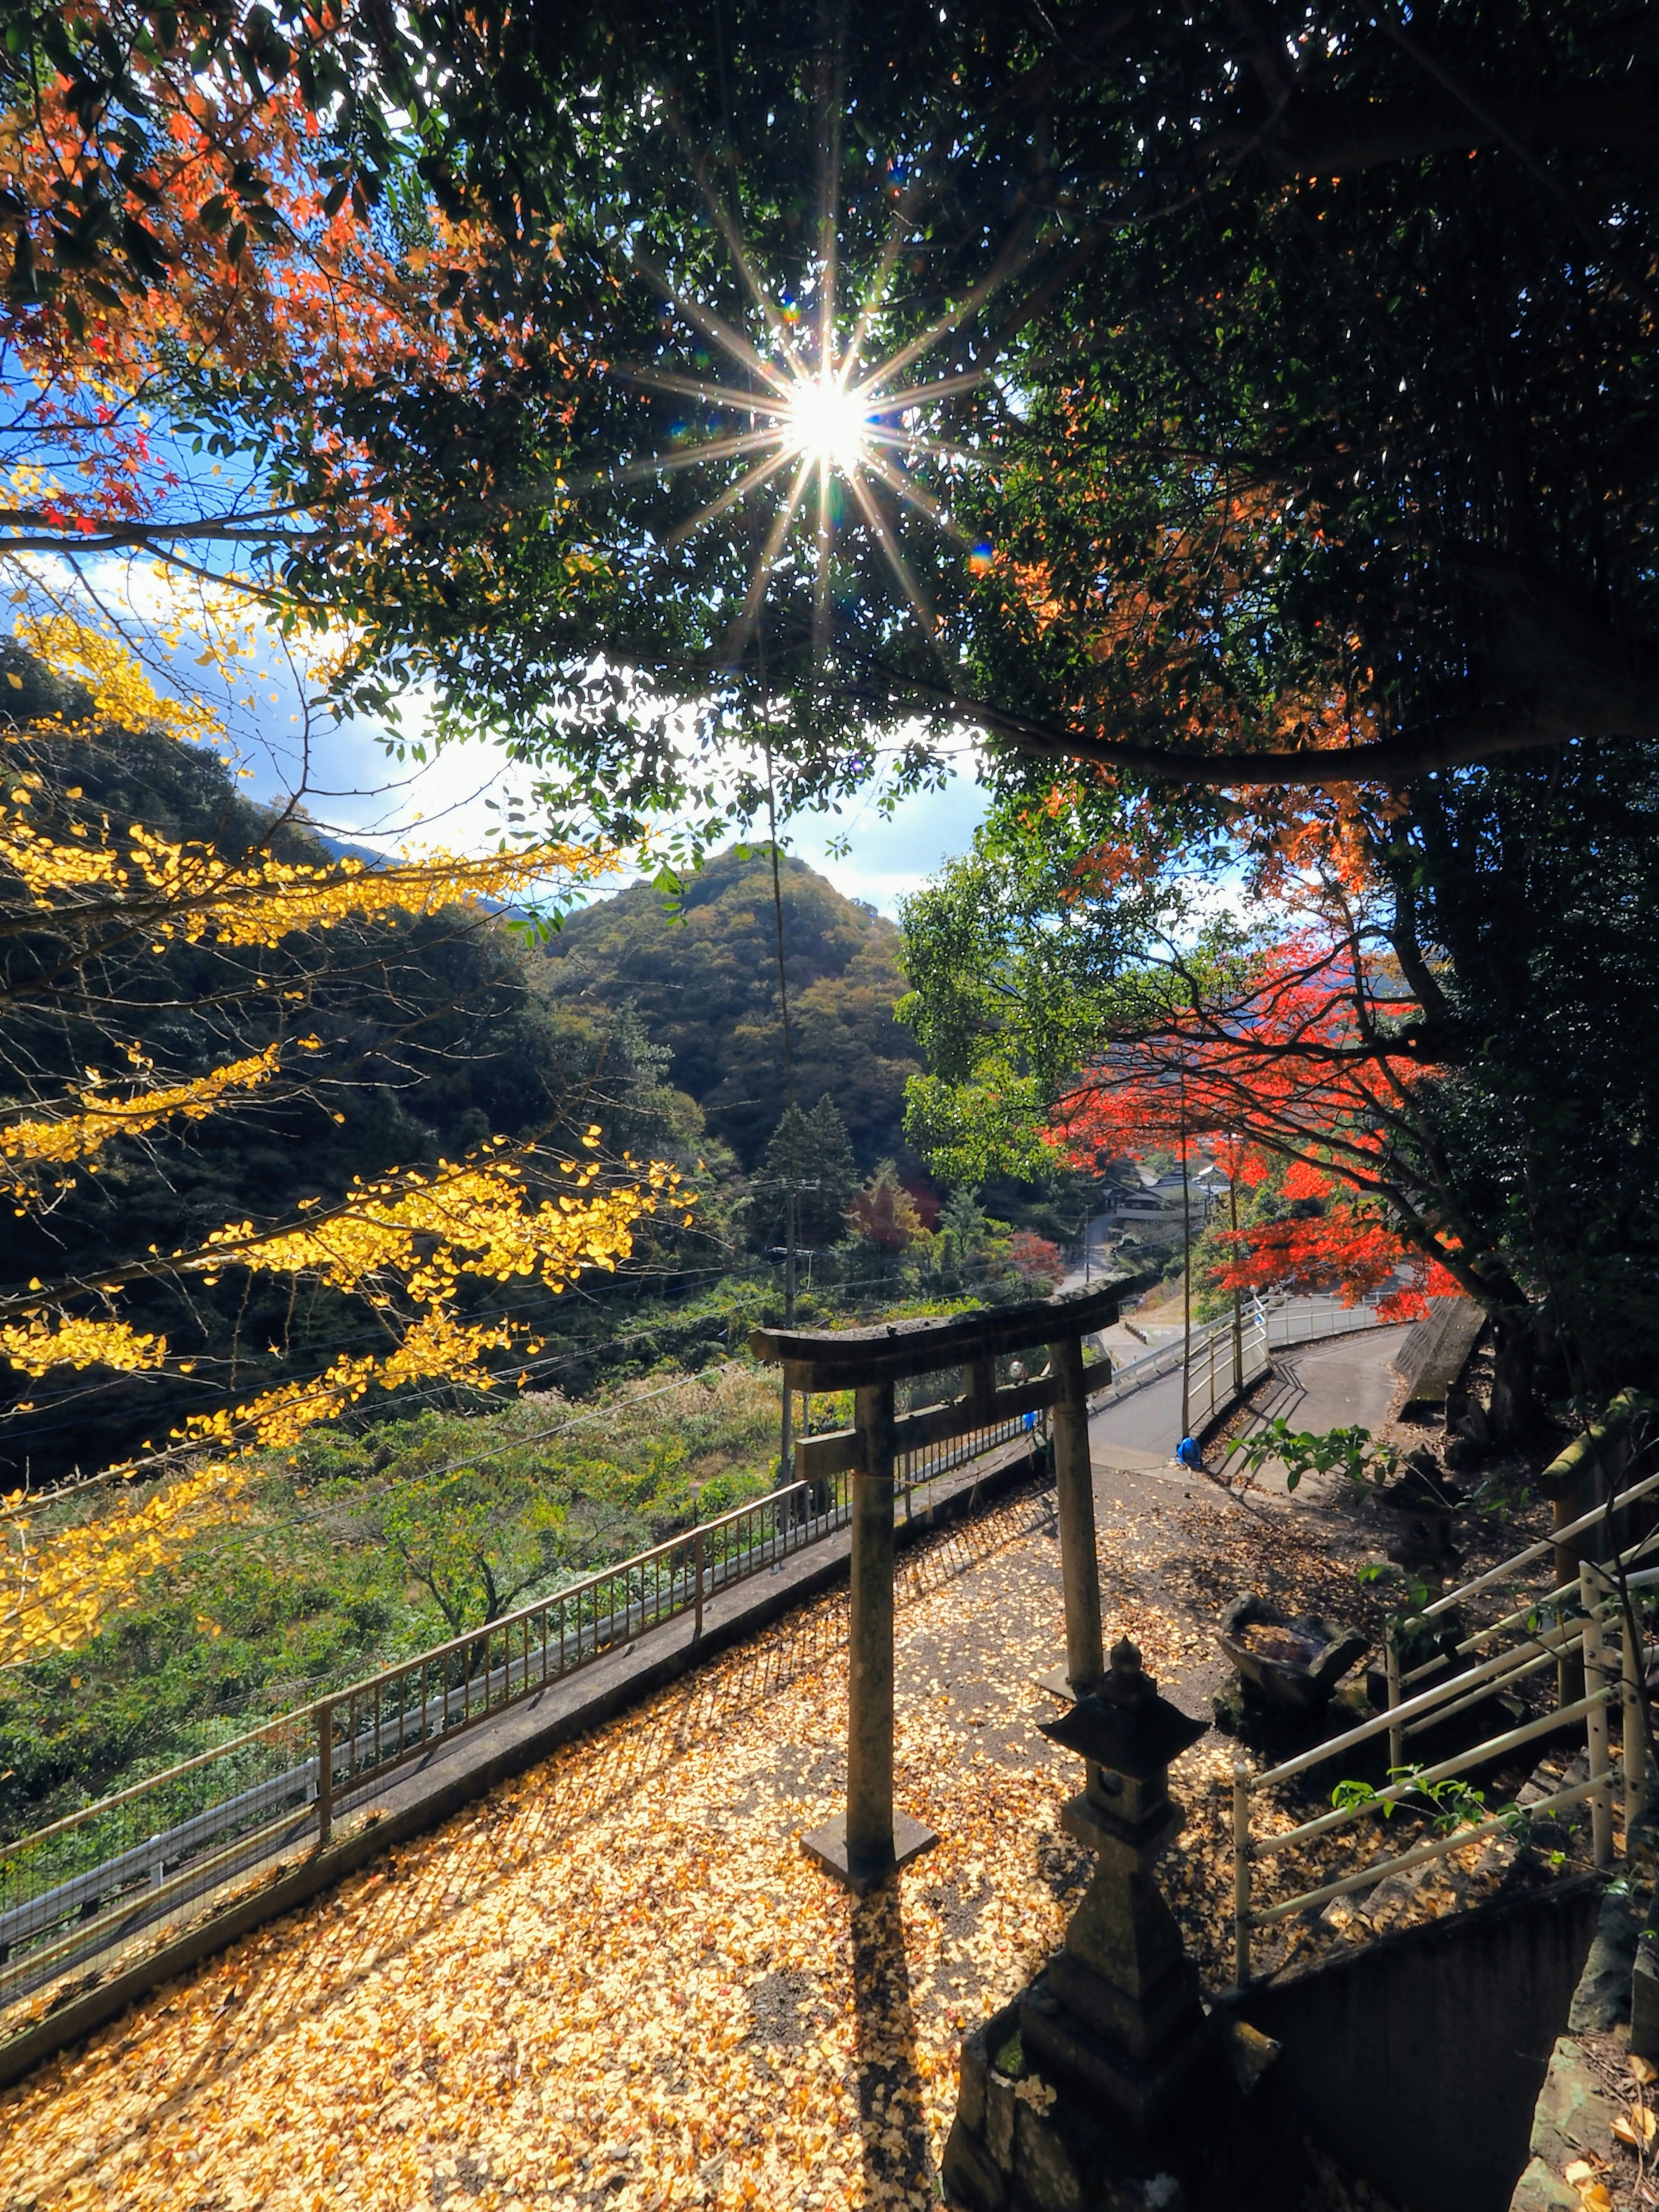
<point x="873" y="1840"/>
<point x="1074" y="1486"/>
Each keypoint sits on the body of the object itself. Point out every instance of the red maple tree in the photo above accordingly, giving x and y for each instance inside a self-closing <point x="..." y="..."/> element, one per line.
<point x="231" y="242"/>
<point x="1307" y="1061"/>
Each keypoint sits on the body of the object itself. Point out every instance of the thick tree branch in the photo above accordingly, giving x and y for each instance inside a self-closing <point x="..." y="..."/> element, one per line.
<point x="1525" y="724"/>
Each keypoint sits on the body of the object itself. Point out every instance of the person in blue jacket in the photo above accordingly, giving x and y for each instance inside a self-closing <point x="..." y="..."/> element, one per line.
<point x="1189" y="1453"/>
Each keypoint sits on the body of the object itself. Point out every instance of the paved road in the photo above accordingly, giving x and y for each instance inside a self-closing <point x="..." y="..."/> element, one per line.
<point x="1337" y="1384"/>
<point x="1148" y="1419"/>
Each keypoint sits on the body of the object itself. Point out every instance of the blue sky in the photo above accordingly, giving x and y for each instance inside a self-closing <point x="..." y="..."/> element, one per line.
<point x="356" y="791"/>
<point x="890" y="857"/>
<point x="449" y="803"/>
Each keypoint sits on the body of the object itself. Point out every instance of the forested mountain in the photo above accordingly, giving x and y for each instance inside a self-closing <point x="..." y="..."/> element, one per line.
<point x="705" y="982"/>
<point x="423" y="1038"/>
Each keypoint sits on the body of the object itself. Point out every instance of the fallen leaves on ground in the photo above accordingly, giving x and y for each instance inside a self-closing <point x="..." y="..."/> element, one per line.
<point x="618" y="1981"/>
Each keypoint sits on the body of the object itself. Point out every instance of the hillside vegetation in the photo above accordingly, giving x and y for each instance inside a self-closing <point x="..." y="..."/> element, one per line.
<point x="360" y="1549"/>
<point x="704" y="979"/>
<point x="413" y="1040"/>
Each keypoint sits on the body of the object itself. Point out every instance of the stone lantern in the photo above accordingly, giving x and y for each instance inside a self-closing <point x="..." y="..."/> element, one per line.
<point x="1105" y="2085"/>
<point x="1120" y="2010"/>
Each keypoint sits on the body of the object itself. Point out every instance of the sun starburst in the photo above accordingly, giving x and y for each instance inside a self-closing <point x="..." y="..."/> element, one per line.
<point x="837" y="440"/>
<point x="828" y="425"/>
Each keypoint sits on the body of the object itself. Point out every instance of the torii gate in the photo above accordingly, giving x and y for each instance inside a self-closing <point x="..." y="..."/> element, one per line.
<point x="870" y="1841"/>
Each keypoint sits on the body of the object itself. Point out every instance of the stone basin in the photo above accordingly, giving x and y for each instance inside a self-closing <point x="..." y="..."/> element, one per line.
<point x="1294" y="1663"/>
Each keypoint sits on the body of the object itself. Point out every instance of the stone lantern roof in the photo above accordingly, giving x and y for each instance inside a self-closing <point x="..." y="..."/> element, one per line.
<point x="1125" y="1727"/>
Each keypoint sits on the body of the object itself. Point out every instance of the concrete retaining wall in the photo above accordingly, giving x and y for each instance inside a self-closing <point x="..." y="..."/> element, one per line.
<point x="1417" y="2060"/>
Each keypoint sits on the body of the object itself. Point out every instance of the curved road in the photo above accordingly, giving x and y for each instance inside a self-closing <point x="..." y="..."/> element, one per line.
<point x="1344" y="1381"/>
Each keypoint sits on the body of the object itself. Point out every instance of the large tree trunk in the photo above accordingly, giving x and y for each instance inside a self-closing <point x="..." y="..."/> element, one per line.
<point x="1515" y="1416"/>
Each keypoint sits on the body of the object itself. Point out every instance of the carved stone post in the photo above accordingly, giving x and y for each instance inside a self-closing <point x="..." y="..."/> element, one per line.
<point x="869" y="1656"/>
<point x="1104" y="2085"/>
<point x="1119" y="2010"/>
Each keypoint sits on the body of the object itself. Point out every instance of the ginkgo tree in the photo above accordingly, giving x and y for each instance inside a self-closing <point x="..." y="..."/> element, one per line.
<point x="97" y="916"/>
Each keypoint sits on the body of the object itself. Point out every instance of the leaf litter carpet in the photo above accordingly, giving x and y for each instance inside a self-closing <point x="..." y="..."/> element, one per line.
<point x="617" y="1981"/>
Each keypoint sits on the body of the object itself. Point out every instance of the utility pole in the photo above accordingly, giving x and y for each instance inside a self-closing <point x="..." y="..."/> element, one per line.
<point x="791" y="1184"/>
<point x="787" y="1440"/>
<point x="787" y="1454"/>
<point x="1186" y="1273"/>
<point x="789" y="1262"/>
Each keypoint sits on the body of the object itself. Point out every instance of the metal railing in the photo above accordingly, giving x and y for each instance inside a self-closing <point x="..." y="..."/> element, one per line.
<point x="1214" y="1376"/>
<point x="1527" y="1648"/>
<point x="102" y="1876"/>
<point x="917" y="1469"/>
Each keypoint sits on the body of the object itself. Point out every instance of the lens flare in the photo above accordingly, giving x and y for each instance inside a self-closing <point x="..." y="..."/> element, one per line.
<point x="827" y="425"/>
<point x="822" y="417"/>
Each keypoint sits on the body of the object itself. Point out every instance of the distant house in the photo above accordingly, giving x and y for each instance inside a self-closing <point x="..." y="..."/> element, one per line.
<point x="1205" y="1188"/>
<point x="1121" y="1201"/>
<point x="1150" y="1193"/>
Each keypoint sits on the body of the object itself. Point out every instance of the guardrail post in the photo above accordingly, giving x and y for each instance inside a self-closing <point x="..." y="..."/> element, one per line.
<point x="324" y="1774"/>
<point x="1240" y="1874"/>
<point x="1595" y="1721"/>
<point x="696" y="1569"/>
<point x="1074" y="1484"/>
<point x="1636" y="1762"/>
<point x="1391" y="1669"/>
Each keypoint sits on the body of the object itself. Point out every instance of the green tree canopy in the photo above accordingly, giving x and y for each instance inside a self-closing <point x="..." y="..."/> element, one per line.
<point x="1538" y="886"/>
<point x="703" y="978"/>
<point x="1249" y="386"/>
<point x="813" y="1151"/>
<point x="1308" y="409"/>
